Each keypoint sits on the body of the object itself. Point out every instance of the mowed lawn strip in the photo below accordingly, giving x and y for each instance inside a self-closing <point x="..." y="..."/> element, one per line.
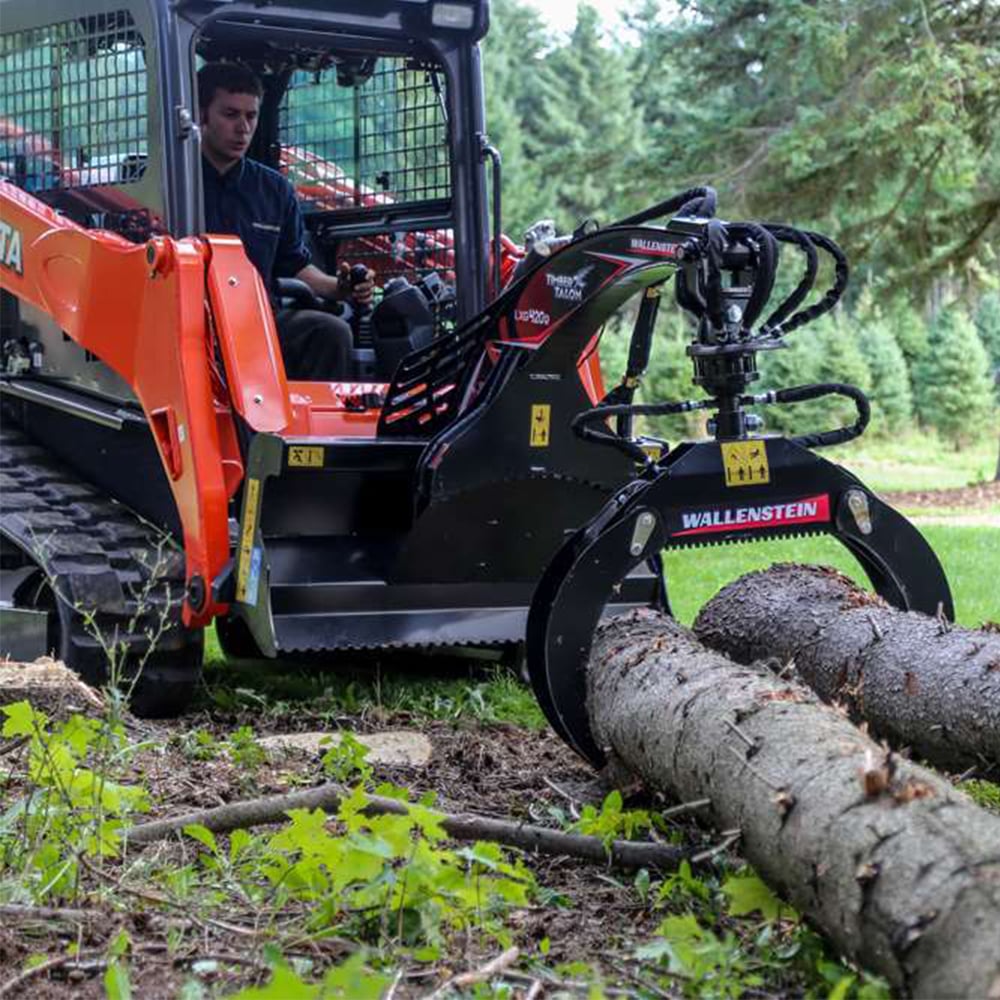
<point x="970" y="556"/>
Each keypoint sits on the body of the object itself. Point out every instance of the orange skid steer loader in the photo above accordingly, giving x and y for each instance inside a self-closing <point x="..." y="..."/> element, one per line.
<point x="159" y="470"/>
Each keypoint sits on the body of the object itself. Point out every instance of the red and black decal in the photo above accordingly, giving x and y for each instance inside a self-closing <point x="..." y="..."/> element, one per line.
<point x="751" y="516"/>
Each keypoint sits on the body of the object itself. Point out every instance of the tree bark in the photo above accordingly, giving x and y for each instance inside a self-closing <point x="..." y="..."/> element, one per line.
<point x="917" y="681"/>
<point x="900" y="870"/>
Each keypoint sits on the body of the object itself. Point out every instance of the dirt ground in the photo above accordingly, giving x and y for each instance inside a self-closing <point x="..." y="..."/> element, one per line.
<point x="495" y="770"/>
<point x="979" y="497"/>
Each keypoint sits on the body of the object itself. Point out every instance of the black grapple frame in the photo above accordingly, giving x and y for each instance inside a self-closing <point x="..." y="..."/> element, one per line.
<point x="736" y="487"/>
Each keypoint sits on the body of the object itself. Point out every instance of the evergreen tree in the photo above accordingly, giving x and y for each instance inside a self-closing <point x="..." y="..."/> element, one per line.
<point x="840" y="360"/>
<point x="796" y="364"/>
<point x="955" y="395"/>
<point x="877" y="122"/>
<point x="988" y="327"/>
<point x="891" y="395"/>
<point x="513" y="69"/>
<point x="583" y="130"/>
<point x="908" y="329"/>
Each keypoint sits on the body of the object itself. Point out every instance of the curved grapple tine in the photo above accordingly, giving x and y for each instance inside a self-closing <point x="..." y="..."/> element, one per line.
<point x="567" y="607"/>
<point x="689" y="503"/>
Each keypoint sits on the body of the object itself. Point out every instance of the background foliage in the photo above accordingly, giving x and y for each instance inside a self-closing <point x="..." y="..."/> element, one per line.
<point x="875" y="121"/>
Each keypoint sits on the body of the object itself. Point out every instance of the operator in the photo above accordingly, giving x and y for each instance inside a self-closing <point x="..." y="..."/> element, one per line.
<point x="259" y="205"/>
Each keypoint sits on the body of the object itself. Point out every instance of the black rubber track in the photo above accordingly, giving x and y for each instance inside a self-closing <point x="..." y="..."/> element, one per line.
<point x="112" y="579"/>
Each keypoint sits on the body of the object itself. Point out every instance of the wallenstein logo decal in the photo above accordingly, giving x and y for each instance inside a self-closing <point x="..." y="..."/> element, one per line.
<point x="654" y="248"/>
<point x="808" y="510"/>
<point x="10" y="248"/>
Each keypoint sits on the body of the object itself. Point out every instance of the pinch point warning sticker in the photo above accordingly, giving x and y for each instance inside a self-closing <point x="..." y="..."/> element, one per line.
<point x="541" y="420"/>
<point x="745" y="463"/>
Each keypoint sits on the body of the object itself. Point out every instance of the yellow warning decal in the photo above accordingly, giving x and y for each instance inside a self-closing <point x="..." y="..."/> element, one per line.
<point x="541" y="419"/>
<point x="246" y="537"/>
<point x="305" y="457"/>
<point x="745" y="463"/>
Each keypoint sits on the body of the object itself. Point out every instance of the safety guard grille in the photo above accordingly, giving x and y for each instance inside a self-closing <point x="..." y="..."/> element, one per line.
<point x="73" y="108"/>
<point x="368" y="140"/>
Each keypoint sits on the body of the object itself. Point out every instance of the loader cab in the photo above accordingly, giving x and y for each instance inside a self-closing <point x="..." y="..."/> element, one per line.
<point x="373" y="112"/>
<point x="373" y="109"/>
<point x="364" y="141"/>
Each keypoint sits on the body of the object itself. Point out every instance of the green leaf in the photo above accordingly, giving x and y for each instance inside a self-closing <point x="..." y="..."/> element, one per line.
<point x="749" y="894"/>
<point x="116" y="982"/>
<point x="431" y="953"/>
<point x="653" y="950"/>
<point x="239" y="841"/>
<point x="284" y="985"/>
<point x="21" y="719"/>
<point x="203" y="835"/>
<point x="843" y="988"/>
<point x="352" y="981"/>
<point x="681" y="928"/>
<point x="120" y="945"/>
<point x="874" y="988"/>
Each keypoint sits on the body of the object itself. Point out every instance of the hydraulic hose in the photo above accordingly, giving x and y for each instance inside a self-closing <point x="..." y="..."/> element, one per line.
<point x="699" y="201"/>
<point x="824" y="439"/>
<point x="787" y="234"/>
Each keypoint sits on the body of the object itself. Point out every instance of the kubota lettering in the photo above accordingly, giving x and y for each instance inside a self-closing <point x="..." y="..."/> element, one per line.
<point x="10" y="247"/>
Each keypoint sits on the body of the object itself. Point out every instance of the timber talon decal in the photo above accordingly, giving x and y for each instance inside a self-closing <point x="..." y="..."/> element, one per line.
<point x="569" y="287"/>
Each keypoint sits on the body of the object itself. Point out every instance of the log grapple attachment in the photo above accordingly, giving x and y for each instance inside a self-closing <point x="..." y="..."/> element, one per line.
<point x="737" y="486"/>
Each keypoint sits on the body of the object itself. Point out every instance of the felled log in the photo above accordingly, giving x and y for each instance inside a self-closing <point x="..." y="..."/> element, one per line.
<point x="898" y="869"/>
<point x="917" y="681"/>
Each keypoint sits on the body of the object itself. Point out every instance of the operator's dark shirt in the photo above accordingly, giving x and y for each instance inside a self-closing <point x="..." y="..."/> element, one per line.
<point x="257" y="204"/>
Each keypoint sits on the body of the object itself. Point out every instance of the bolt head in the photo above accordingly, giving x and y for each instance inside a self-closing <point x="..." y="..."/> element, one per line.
<point x="233" y="281"/>
<point x="258" y="399"/>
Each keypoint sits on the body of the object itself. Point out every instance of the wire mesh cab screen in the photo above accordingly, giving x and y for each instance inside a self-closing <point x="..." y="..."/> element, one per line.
<point x="362" y="141"/>
<point x="73" y="104"/>
<point x="379" y="140"/>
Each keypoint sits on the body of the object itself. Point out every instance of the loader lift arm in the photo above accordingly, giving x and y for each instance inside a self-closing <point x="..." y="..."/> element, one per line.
<point x="155" y="313"/>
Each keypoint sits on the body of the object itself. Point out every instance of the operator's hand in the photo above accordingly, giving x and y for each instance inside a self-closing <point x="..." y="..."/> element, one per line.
<point x="361" y="291"/>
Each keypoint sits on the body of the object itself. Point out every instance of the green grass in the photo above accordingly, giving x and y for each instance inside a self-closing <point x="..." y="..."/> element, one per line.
<point x="394" y="686"/>
<point x="917" y="461"/>
<point x="970" y="556"/>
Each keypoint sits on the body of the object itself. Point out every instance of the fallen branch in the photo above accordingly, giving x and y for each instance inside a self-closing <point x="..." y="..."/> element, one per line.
<point x="80" y="962"/>
<point x="625" y="854"/>
<point x="900" y="870"/>
<point x="480" y="975"/>
<point x="15" y="912"/>
<point x="917" y="681"/>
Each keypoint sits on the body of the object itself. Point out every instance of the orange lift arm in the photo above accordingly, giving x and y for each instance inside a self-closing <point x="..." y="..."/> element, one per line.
<point x="153" y="313"/>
